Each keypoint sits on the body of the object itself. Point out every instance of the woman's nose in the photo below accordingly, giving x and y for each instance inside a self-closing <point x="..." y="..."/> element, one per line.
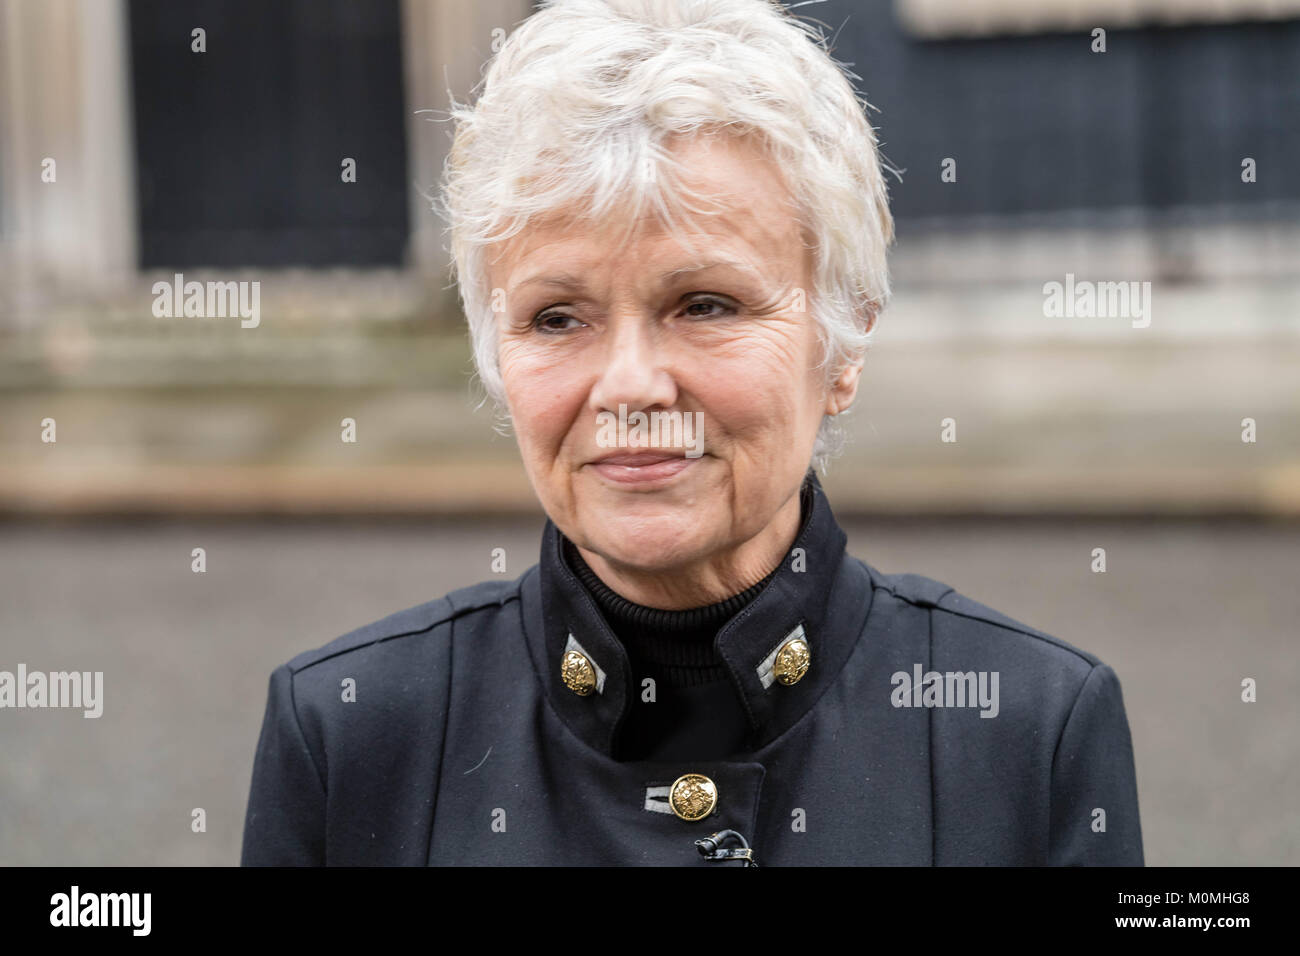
<point x="634" y="373"/>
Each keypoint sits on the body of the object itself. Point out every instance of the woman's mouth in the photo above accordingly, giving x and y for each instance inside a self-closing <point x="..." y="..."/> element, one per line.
<point x="642" y="468"/>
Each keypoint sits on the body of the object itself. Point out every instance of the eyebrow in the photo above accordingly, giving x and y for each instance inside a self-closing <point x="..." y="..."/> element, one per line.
<point x="568" y="280"/>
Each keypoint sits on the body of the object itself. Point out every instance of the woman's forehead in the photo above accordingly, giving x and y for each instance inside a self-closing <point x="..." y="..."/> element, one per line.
<point x="741" y="243"/>
<point x="733" y="187"/>
<point x="735" y="245"/>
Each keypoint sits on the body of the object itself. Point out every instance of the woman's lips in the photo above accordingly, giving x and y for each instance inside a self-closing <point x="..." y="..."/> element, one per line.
<point x="642" y="467"/>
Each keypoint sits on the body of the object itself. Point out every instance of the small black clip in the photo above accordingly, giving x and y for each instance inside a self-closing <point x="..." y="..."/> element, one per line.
<point x="712" y="849"/>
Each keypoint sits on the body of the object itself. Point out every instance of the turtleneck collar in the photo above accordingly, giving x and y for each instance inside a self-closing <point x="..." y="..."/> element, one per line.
<point x="807" y="595"/>
<point x="677" y="644"/>
<point x="623" y="614"/>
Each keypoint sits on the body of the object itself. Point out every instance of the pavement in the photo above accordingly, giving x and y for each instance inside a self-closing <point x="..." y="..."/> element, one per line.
<point x="1185" y="611"/>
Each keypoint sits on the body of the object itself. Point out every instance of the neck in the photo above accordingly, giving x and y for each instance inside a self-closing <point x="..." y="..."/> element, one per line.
<point x="711" y="579"/>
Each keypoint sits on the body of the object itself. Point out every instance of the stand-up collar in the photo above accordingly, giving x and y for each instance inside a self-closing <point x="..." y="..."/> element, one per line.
<point x="809" y="598"/>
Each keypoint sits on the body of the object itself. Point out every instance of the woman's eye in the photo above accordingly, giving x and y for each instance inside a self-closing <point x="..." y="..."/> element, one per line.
<point x="555" y="322"/>
<point x="699" y="309"/>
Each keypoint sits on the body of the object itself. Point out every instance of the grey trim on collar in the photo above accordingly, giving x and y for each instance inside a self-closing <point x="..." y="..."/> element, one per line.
<point x="656" y="799"/>
<point x="572" y="645"/>
<point x="764" y="670"/>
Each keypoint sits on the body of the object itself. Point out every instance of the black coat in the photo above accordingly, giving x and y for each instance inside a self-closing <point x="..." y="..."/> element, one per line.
<point x="464" y="746"/>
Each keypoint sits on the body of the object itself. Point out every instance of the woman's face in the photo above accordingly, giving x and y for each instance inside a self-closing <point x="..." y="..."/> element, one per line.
<point x="720" y="339"/>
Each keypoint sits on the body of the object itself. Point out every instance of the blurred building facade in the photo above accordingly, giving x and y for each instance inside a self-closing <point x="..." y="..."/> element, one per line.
<point x="171" y="150"/>
<point x="141" y="138"/>
<point x="168" y="157"/>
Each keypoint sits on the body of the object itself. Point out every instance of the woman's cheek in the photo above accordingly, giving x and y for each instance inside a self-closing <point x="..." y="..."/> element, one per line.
<point x="539" y="370"/>
<point x="754" y="397"/>
<point x="543" y="413"/>
<point x="536" y="424"/>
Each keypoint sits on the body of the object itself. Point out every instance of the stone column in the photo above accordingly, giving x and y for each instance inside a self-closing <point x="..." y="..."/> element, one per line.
<point x="64" y="96"/>
<point x="445" y="46"/>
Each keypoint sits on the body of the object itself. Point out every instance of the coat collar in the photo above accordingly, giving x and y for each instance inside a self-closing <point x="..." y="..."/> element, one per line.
<point x="815" y="589"/>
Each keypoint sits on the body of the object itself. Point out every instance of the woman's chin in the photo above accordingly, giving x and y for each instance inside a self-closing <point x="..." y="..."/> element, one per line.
<point x="657" y="549"/>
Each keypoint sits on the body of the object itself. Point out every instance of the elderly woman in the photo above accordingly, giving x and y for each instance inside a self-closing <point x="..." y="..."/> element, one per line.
<point x="670" y="224"/>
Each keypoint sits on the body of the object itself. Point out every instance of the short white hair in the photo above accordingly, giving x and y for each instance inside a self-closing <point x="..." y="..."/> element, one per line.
<point x="573" y="113"/>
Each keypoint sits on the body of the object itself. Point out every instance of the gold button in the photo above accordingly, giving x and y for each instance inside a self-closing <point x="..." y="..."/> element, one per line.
<point x="791" y="661"/>
<point x="578" y="674"/>
<point x="693" y="796"/>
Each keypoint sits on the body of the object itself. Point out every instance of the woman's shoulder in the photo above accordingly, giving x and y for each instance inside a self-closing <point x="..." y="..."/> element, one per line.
<point x="963" y="623"/>
<point x="1042" y="678"/>
<point x="398" y="634"/>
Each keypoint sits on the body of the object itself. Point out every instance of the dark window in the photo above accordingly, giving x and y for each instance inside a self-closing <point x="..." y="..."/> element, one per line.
<point x="239" y="149"/>
<point x="1039" y="123"/>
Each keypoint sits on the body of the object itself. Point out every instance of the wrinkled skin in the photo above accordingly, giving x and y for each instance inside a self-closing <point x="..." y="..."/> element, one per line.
<point x="590" y="324"/>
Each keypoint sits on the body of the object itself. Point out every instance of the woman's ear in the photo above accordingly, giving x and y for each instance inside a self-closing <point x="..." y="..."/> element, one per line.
<point x="845" y="387"/>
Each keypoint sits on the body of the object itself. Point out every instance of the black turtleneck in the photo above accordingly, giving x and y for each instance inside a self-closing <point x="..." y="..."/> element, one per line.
<point x="691" y="711"/>
<point x="678" y="645"/>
